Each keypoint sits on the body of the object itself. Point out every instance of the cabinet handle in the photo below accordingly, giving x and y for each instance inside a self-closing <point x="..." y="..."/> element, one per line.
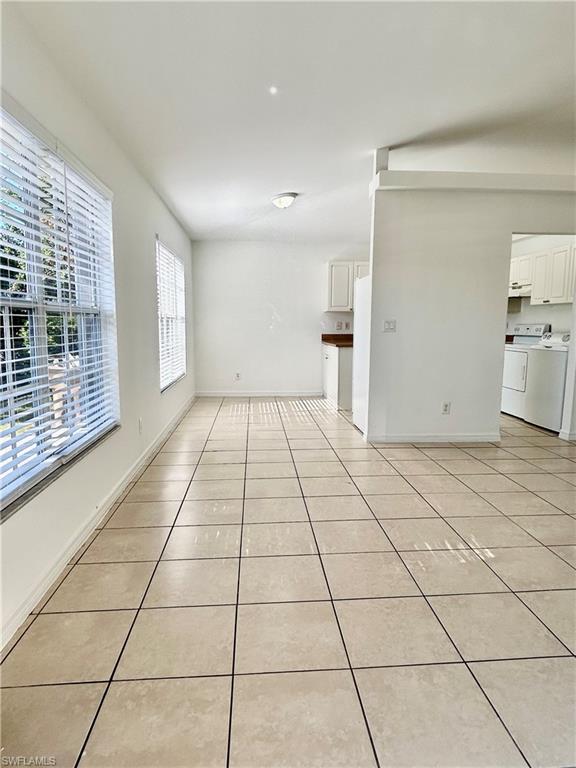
<point x="326" y="357"/>
<point x="545" y="301"/>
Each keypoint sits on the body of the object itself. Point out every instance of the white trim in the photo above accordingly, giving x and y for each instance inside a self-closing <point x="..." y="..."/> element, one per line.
<point x="503" y="182"/>
<point x="565" y="435"/>
<point x="21" y="614"/>
<point x="257" y="393"/>
<point x="485" y="437"/>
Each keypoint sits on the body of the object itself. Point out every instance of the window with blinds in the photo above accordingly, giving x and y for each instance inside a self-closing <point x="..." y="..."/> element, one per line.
<point x="171" y="315"/>
<point x="58" y="381"/>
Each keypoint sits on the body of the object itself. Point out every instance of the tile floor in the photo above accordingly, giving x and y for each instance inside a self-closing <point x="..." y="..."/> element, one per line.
<point x="274" y="592"/>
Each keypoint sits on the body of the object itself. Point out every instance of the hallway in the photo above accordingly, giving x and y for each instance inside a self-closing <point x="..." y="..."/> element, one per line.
<point x="273" y="591"/>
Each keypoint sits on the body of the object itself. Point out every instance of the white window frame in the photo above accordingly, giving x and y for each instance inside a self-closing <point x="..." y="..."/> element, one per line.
<point x="171" y="297"/>
<point x="89" y="308"/>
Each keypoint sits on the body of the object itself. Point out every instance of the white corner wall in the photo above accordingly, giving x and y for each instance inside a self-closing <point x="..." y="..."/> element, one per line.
<point x="259" y="312"/>
<point x="440" y="266"/>
<point x="37" y="539"/>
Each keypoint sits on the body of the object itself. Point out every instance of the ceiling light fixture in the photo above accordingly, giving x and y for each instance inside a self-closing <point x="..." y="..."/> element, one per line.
<point x="273" y="90"/>
<point x="284" y="200"/>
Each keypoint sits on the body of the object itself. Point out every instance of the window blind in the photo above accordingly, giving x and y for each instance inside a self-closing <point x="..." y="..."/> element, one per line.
<point x="58" y="379"/>
<point x="171" y="315"/>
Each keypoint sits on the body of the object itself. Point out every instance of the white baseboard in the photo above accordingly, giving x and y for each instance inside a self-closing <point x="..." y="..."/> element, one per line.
<point x="567" y="435"/>
<point x="485" y="437"/>
<point x="21" y="614"/>
<point x="257" y="393"/>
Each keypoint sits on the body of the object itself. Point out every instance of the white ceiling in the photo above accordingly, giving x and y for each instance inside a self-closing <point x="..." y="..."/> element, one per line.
<point x="185" y="88"/>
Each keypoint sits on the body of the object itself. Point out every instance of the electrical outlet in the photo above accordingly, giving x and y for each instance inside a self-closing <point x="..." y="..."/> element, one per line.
<point x="347" y="325"/>
<point x="338" y="325"/>
<point x="389" y="326"/>
<point x="445" y="408"/>
<point x="237" y="377"/>
<point x="140" y="425"/>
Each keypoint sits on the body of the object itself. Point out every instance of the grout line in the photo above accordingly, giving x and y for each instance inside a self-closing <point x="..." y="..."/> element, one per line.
<point x="337" y="620"/>
<point x="126" y="639"/>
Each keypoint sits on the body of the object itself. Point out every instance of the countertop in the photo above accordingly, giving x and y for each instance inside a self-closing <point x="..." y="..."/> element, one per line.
<point x="338" y="339"/>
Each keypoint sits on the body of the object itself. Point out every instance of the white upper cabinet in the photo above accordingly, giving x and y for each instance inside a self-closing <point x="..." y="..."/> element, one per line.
<point x="341" y="276"/>
<point x="554" y="274"/>
<point x="521" y="268"/>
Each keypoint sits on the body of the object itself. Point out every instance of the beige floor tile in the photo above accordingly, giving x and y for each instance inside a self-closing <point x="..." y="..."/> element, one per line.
<point x="393" y="631"/>
<point x="536" y="699"/>
<point x="568" y="451"/>
<point x="564" y="500"/>
<point x="338" y="508"/>
<point x="125" y="545"/>
<point x="402" y="454"/>
<point x="106" y="586"/>
<point x="223" y="457"/>
<point x="280" y="488"/>
<point x="193" y="582"/>
<point x="511" y="466"/>
<point x="170" y="490"/>
<point x="492" y="532"/>
<point x="323" y="454"/>
<point x="179" y="642"/>
<point x="376" y="574"/>
<point x="530" y="568"/>
<point x="466" y="466"/>
<point x="11" y="642"/>
<point x="370" y="486"/>
<point x="489" y="452"/>
<point x="144" y="514"/>
<point x="256" y="456"/>
<point x="370" y="468"/>
<point x="555" y="465"/>
<point x="328" y="486"/>
<point x="305" y="719"/>
<point x="277" y="539"/>
<point x="33" y="719"/>
<point x="230" y="444"/>
<point x="351" y="536"/>
<point x="210" y="512"/>
<point x="176" y="723"/>
<point x="261" y="470"/>
<point x="288" y="636"/>
<point x="321" y="469"/>
<point x="557" y="609"/>
<point x="215" y="489"/>
<point x="200" y="541"/>
<point x="357" y="454"/>
<point x="275" y="510"/>
<point x="569" y="477"/>
<point x="180" y="472"/>
<point x="542" y="482"/>
<point x="429" y="533"/>
<point x="460" y="505"/>
<point x="282" y="579"/>
<point x="220" y="472"/>
<point x="395" y="505"/>
<point x="418" y="467"/>
<point x="68" y="647"/>
<point x="437" y="484"/>
<point x="494" y="627"/>
<point x="522" y="503"/>
<point x="451" y="572"/>
<point x="567" y="553"/>
<point x="297" y="444"/>
<point x="556" y="530"/>
<point x="433" y="716"/>
<point x="54" y="586"/>
<point x="445" y="454"/>
<point x="174" y="459"/>
<point x="491" y="483"/>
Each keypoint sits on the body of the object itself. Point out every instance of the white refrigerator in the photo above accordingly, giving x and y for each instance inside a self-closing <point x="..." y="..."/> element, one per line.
<point x="361" y="352"/>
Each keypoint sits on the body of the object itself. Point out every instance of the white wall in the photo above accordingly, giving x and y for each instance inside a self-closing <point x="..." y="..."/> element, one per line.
<point x="259" y="311"/>
<point x="440" y="268"/>
<point x="37" y="537"/>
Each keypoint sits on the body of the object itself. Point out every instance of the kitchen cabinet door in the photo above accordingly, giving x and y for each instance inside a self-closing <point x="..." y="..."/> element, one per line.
<point x="524" y="269"/>
<point x="513" y="273"/>
<point x="361" y="269"/>
<point x="340" y="286"/>
<point x="540" y="279"/>
<point x="330" y="373"/>
<point x="560" y="276"/>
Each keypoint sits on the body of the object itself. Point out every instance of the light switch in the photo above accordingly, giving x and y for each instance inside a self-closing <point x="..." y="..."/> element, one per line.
<point x="389" y="326"/>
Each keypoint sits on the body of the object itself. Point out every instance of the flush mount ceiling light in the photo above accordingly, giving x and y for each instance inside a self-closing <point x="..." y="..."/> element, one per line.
<point x="284" y="200"/>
